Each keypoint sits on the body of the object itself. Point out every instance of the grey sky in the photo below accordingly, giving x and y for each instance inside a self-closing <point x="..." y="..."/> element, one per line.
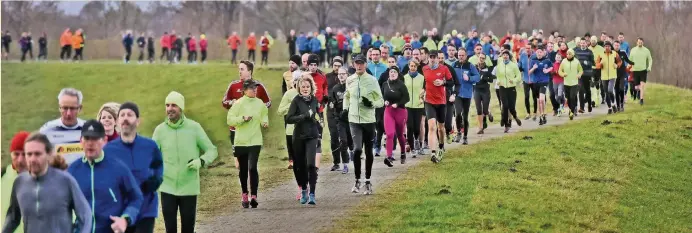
<point x="73" y="7"/>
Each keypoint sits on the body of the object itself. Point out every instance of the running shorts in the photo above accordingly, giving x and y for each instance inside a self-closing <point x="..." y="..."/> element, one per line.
<point x="436" y="111"/>
<point x="542" y="87"/>
<point x="639" y="76"/>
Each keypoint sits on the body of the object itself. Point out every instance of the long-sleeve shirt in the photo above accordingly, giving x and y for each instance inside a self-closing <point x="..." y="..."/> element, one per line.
<point x="642" y="58"/>
<point x="395" y="92"/>
<point x="47" y="202"/>
<point x="249" y="133"/>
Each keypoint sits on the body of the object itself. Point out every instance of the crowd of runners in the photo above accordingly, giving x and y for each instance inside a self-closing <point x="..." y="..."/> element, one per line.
<point x="412" y="92"/>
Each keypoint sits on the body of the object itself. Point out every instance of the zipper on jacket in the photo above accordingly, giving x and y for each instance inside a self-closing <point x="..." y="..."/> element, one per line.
<point x="38" y="188"/>
<point x="113" y="195"/>
<point x="93" y="200"/>
<point x="177" y="151"/>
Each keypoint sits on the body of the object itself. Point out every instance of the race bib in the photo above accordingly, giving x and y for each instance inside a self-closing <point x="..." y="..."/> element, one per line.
<point x="64" y="149"/>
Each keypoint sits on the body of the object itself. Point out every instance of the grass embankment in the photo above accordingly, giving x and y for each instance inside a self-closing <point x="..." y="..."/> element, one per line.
<point x="29" y="99"/>
<point x="628" y="172"/>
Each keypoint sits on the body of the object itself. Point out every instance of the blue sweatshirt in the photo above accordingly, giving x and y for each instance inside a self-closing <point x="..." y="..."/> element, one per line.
<point x="465" y="88"/>
<point x="488" y="49"/>
<point x="538" y="76"/>
<point x="127" y="41"/>
<point x="416" y="44"/>
<point x="524" y="66"/>
<point x="457" y="42"/>
<point x="110" y="189"/>
<point x="303" y="44"/>
<point x="470" y="44"/>
<point x="377" y="68"/>
<point x="315" y="45"/>
<point x="366" y="39"/>
<point x="402" y="62"/>
<point x="144" y="159"/>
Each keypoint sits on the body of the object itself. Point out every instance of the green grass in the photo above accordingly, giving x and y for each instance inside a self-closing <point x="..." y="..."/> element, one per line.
<point x="632" y="175"/>
<point x="29" y="99"/>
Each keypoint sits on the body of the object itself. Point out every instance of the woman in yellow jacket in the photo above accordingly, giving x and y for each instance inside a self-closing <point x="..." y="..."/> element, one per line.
<point x="609" y="62"/>
<point x="508" y="76"/>
<point x="571" y="70"/>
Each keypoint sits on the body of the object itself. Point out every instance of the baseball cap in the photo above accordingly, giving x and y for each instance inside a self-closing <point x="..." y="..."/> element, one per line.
<point x="359" y="58"/>
<point x="249" y="84"/>
<point x="93" y="129"/>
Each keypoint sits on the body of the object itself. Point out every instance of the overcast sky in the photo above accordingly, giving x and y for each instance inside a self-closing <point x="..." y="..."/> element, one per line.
<point x="73" y="7"/>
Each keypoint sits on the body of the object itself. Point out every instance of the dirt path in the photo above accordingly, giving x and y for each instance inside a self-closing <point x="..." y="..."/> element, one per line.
<point x="279" y="211"/>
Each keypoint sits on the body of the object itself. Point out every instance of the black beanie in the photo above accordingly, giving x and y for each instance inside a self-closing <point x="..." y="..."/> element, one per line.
<point x="131" y="106"/>
<point x="296" y="59"/>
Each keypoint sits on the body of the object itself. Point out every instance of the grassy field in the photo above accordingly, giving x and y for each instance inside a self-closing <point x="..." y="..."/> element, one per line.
<point x="629" y="172"/>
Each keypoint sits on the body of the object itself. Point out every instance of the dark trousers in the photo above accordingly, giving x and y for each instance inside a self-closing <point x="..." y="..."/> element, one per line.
<point x="24" y="51"/>
<point x="571" y="94"/>
<point x="620" y="91"/>
<point x="265" y="57"/>
<point x="344" y="55"/>
<point x="187" y="205"/>
<point x="379" y="115"/>
<point x="78" y="54"/>
<point x="251" y="55"/>
<point x="247" y="163"/>
<point x="530" y="92"/>
<point x="43" y="52"/>
<point x="585" y="92"/>
<point x="143" y="225"/>
<point x="553" y="98"/>
<point x="6" y="47"/>
<point x="362" y="133"/>
<point x="413" y="126"/>
<point x="164" y="53"/>
<point x="304" y="169"/>
<point x="179" y="52"/>
<point x="291" y="49"/>
<point x="204" y="55"/>
<point x="234" y="53"/>
<point x="448" y="117"/>
<point x="340" y="139"/>
<point x="128" y="52"/>
<point x="141" y="55"/>
<point x="151" y="55"/>
<point x="191" y="56"/>
<point x="462" y="106"/>
<point x="509" y="102"/>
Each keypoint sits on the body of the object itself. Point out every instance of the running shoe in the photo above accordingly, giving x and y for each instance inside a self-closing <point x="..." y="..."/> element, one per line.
<point x="457" y="138"/>
<point x="311" y="199"/>
<point x="253" y="202"/>
<point x="439" y="155"/>
<point x="641" y="101"/>
<point x="388" y="162"/>
<point x="356" y="187"/>
<point x="450" y="138"/>
<point x="571" y="116"/>
<point x="615" y="109"/>
<point x="559" y="111"/>
<point x="528" y="116"/>
<point x="368" y="188"/>
<point x="490" y="117"/>
<point x="414" y="153"/>
<point x="465" y="141"/>
<point x="518" y="121"/>
<point x="335" y="167"/>
<point x="304" y="196"/>
<point x="506" y="129"/>
<point x="590" y="109"/>
<point x="534" y="117"/>
<point x="290" y="164"/>
<point x="610" y="111"/>
<point x="345" y="170"/>
<point x="245" y="202"/>
<point x="555" y="113"/>
<point x="433" y="157"/>
<point x="403" y="160"/>
<point x="581" y="111"/>
<point x="480" y="131"/>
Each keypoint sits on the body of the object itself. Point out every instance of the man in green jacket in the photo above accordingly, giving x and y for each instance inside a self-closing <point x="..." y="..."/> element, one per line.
<point x="641" y="56"/>
<point x="180" y="140"/>
<point x="362" y="97"/>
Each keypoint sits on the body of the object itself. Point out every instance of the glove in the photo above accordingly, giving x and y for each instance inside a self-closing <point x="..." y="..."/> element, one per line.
<point x="344" y="115"/>
<point x="366" y="102"/>
<point x="150" y="185"/>
<point x="195" y="164"/>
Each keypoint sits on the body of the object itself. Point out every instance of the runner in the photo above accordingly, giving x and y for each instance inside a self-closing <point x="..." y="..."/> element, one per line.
<point x="585" y="56"/>
<point x="642" y="56"/>
<point x="360" y="100"/>
<point x="235" y="92"/>
<point x="16" y="167"/>
<point x="558" y="85"/>
<point x="127" y="43"/>
<point x="56" y="191"/>
<point x="333" y="79"/>
<point x="571" y="70"/>
<point x="108" y="116"/>
<point x="6" y="41"/>
<point x="396" y="96"/>
<point x="530" y="91"/>
<point x="608" y="62"/>
<point x="344" y="149"/>
<point x="481" y="94"/>
<point x="540" y="70"/>
<point x="620" y="83"/>
<point x="283" y="110"/>
<point x="192" y="50"/>
<point x="141" y="42"/>
<point x="449" y="114"/>
<point x="150" y="48"/>
<point x="142" y="156"/>
<point x="437" y="80"/>
<point x="597" y="49"/>
<point x="64" y="132"/>
<point x="414" y="82"/>
<point x="249" y="115"/>
<point x="291" y="41"/>
<point x="303" y="112"/>
<point x="508" y="76"/>
<point x="264" y="46"/>
<point x="116" y="199"/>
<point x="43" y="47"/>
<point x="379" y="112"/>
<point x="203" y="47"/>
<point x="165" y="42"/>
<point x="233" y="42"/>
<point x="251" y="44"/>
<point x="467" y="76"/>
<point x="181" y="139"/>
<point x="78" y="45"/>
<point x="287" y="83"/>
<point x="321" y="93"/>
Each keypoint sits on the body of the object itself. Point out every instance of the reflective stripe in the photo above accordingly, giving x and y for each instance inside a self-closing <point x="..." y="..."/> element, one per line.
<point x="112" y="195"/>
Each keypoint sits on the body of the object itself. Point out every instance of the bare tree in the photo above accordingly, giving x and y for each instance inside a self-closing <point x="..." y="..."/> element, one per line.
<point x="398" y="12"/>
<point x="282" y="14"/>
<point x="360" y="14"/>
<point x="18" y="15"/>
<point x="224" y="12"/>
<point x="518" y="11"/>
<point x="445" y="11"/>
<point x="320" y="12"/>
<point x="198" y="12"/>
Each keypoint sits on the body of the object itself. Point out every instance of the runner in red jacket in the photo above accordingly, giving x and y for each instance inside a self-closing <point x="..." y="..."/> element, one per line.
<point x="165" y="45"/>
<point x="438" y="79"/>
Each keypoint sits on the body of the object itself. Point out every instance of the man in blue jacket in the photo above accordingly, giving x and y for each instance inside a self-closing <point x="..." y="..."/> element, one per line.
<point x="303" y="46"/>
<point x="539" y="70"/>
<point x="375" y="66"/>
<point x="530" y="92"/>
<point x="366" y="39"/>
<point x="106" y="182"/>
<point x="471" y="43"/>
<point x="467" y="75"/>
<point x="143" y="157"/>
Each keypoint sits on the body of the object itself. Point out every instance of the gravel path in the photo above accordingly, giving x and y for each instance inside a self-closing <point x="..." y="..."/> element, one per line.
<point x="279" y="211"/>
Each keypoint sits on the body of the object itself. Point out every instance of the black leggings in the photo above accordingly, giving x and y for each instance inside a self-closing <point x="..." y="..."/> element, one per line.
<point x="339" y="138"/>
<point x="553" y="96"/>
<point x="188" y="211"/>
<point x="247" y="163"/>
<point x="509" y="102"/>
<point x="379" y="116"/>
<point x="361" y="136"/>
<point x="413" y="126"/>
<point x="304" y="154"/>
<point x="530" y="92"/>
<point x="141" y="54"/>
<point x="462" y="106"/>
<point x="449" y="114"/>
<point x="65" y="52"/>
<point x="265" y="57"/>
<point x="143" y="225"/>
<point x="204" y="55"/>
<point x="619" y="91"/>
<point x="151" y="56"/>
<point x="499" y="98"/>
<point x="571" y="94"/>
<point x="43" y="52"/>
<point x="234" y="53"/>
<point x="164" y="53"/>
<point x="481" y="97"/>
<point x="191" y="56"/>
<point x="585" y="92"/>
<point x="128" y="52"/>
<point x="289" y="147"/>
<point x="78" y="54"/>
<point x="251" y="53"/>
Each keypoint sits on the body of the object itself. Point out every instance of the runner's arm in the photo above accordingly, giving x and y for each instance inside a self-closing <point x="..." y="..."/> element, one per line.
<point x="134" y="194"/>
<point x="203" y="142"/>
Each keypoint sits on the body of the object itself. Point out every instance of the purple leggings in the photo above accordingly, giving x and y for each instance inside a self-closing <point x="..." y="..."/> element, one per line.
<point x="395" y="126"/>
